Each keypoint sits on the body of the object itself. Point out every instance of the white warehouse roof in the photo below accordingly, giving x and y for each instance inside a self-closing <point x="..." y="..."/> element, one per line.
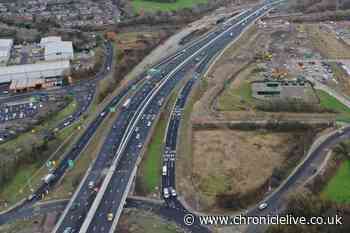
<point x="33" y="71"/>
<point x="61" y="50"/>
<point x="5" y="47"/>
<point x="49" y="39"/>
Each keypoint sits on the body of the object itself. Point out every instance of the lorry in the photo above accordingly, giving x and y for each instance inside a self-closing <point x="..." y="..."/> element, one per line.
<point x="164" y="170"/>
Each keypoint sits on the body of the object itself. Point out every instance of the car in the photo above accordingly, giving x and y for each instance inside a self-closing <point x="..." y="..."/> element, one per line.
<point x="231" y="34"/>
<point x="68" y="230"/>
<point x="149" y="124"/>
<point x="31" y="196"/>
<point x="173" y="192"/>
<point x="164" y="170"/>
<point x="110" y="217"/>
<point x="263" y="206"/>
<point x="138" y="136"/>
<point x="166" y="193"/>
<point x="91" y="185"/>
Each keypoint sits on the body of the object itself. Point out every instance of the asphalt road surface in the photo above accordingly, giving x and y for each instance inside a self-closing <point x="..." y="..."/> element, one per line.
<point x="112" y="194"/>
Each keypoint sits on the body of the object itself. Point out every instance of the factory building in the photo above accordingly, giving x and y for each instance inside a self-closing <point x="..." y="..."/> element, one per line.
<point x="5" y="50"/>
<point x="55" y="49"/>
<point x="34" y="76"/>
<point x="283" y="89"/>
<point x="50" y="39"/>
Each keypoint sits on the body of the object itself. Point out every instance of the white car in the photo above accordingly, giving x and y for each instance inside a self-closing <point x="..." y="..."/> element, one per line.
<point x="263" y="206"/>
<point x="68" y="230"/>
<point x="173" y="192"/>
<point x="166" y="193"/>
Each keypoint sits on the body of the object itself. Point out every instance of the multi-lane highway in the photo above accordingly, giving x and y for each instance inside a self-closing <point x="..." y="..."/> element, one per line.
<point x="97" y="204"/>
<point x="127" y="137"/>
<point x="134" y="123"/>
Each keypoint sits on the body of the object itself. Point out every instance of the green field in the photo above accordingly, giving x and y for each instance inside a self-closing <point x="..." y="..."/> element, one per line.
<point x="338" y="189"/>
<point x="152" y="6"/>
<point x="236" y="99"/>
<point x="331" y="103"/>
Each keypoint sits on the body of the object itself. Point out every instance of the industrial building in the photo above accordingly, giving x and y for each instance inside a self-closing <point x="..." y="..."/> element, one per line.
<point x="55" y="49"/>
<point x="50" y="39"/>
<point x="5" y="50"/>
<point x="34" y="76"/>
<point x="267" y="89"/>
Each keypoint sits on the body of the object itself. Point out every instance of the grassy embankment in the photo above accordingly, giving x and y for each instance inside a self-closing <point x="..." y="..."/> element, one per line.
<point x="149" y="175"/>
<point x="338" y="188"/>
<point x="73" y="177"/>
<point x="18" y="187"/>
<point x="152" y="6"/>
<point x="329" y="102"/>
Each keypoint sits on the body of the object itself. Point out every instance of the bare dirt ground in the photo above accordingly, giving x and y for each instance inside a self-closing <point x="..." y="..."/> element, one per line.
<point x="232" y="162"/>
<point x="136" y="221"/>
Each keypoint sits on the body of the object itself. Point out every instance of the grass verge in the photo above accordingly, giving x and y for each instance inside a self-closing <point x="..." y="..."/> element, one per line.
<point x="338" y="188"/>
<point x="149" y="176"/>
<point x="28" y="175"/>
<point x="329" y="102"/>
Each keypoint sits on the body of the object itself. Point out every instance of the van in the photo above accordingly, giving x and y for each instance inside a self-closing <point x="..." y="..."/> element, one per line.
<point x="164" y="170"/>
<point x="91" y="185"/>
<point x="166" y="193"/>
